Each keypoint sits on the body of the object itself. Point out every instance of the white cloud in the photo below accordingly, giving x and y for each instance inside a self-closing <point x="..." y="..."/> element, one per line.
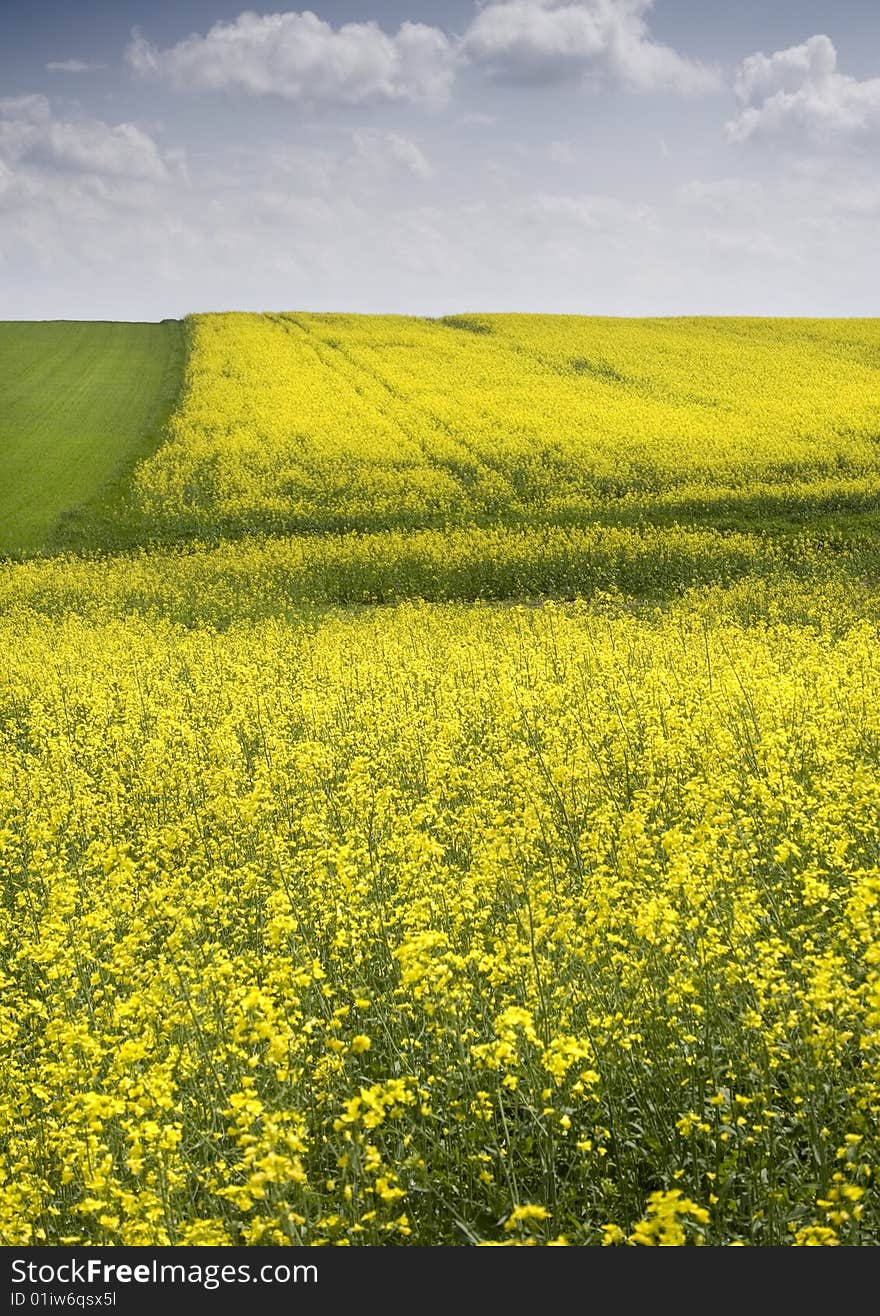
<point x="549" y="41"/>
<point x="787" y="70"/>
<point x="73" y="66"/>
<point x="91" y="146"/>
<point x="300" y="57"/>
<point x="32" y="136"/>
<point x="800" y="93"/>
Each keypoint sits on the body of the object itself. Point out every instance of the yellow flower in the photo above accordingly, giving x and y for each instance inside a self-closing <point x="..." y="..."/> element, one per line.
<point x="522" y="1216"/>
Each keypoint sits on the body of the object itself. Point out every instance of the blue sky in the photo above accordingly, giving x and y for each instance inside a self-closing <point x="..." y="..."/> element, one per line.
<point x="594" y="156"/>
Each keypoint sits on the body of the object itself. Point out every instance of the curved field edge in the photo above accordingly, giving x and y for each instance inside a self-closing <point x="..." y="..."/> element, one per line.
<point x="80" y="404"/>
<point x="112" y="520"/>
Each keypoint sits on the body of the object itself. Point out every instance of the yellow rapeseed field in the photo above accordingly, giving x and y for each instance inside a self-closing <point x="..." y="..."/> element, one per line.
<point x="345" y="422"/>
<point x="441" y="924"/>
<point x="461" y="823"/>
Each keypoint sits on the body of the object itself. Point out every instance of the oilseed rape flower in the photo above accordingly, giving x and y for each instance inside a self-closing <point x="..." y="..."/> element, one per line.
<point x="383" y="926"/>
<point x="665" y="1223"/>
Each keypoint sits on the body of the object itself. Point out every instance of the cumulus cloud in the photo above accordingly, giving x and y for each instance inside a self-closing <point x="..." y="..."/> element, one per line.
<point x="300" y="57"/>
<point x="123" y="151"/>
<point x="73" y="66"/>
<point x="31" y="135"/>
<point x="800" y="93"/>
<point x="549" y="41"/>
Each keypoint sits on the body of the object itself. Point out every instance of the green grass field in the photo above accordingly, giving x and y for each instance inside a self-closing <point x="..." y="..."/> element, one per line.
<point x="80" y="403"/>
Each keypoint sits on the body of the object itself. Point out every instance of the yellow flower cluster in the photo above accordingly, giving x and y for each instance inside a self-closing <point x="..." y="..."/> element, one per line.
<point x="441" y="924"/>
<point x="311" y="423"/>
